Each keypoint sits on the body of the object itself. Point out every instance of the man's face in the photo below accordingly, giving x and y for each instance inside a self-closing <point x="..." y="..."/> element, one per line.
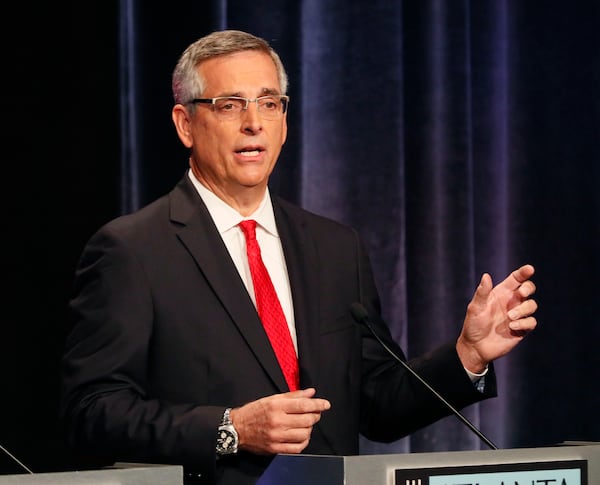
<point x="230" y="156"/>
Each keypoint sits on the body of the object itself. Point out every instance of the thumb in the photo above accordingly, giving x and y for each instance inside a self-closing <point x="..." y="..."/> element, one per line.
<point x="483" y="290"/>
<point x="308" y="392"/>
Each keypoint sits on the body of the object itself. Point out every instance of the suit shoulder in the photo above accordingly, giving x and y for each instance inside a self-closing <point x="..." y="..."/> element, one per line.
<point x="153" y="214"/>
<point x="144" y="220"/>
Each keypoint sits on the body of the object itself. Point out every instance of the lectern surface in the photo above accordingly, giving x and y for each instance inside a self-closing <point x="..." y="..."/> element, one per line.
<point x="134" y="475"/>
<point x="384" y="469"/>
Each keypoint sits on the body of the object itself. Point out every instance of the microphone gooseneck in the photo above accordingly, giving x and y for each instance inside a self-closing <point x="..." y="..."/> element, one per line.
<point x="16" y="460"/>
<point x="360" y="314"/>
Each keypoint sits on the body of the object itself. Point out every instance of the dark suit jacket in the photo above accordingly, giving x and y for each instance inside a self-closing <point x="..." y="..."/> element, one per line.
<point x="165" y="337"/>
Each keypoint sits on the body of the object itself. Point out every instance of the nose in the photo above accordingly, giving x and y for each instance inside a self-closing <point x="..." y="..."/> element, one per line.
<point x="251" y="119"/>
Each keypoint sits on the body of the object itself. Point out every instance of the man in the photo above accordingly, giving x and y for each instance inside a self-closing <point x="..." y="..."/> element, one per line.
<point x="168" y="361"/>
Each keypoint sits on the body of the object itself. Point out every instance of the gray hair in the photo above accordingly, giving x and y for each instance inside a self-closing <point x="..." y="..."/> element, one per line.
<point x="187" y="82"/>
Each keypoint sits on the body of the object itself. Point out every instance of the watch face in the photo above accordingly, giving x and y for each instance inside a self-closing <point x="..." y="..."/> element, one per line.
<point x="226" y="441"/>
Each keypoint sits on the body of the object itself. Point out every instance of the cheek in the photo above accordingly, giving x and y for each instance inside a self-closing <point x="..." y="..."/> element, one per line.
<point x="211" y="145"/>
<point x="207" y="135"/>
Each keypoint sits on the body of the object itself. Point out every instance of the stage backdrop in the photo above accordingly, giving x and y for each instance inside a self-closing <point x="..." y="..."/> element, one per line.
<point x="458" y="137"/>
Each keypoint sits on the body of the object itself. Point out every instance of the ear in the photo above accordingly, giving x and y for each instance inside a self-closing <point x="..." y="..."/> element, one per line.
<point x="284" y="130"/>
<point x="182" y="120"/>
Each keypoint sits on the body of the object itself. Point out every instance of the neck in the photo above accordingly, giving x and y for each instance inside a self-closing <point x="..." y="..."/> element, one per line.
<point x="244" y="199"/>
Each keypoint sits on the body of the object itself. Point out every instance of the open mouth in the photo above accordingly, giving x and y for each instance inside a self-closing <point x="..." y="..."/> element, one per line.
<point x="249" y="153"/>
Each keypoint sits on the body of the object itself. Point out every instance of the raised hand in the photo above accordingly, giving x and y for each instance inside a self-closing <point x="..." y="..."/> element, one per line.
<point x="497" y="318"/>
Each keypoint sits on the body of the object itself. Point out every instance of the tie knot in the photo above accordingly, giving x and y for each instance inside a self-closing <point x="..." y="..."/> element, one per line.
<point x="249" y="228"/>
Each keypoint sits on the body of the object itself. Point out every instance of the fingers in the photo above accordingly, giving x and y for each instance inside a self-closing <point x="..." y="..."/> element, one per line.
<point x="521" y="319"/>
<point x="281" y="423"/>
<point x="519" y="276"/>
<point x="527" y="289"/>
<point x="521" y="316"/>
<point x="523" y="326"/>
<point x="524" y="309"/>
<point x="303" y="401"/>
<point x="518" y="281"/>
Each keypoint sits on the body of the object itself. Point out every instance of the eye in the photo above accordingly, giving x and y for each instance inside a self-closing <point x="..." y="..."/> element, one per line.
<point x="226" y="105"/>
<point x="269" y="104"/>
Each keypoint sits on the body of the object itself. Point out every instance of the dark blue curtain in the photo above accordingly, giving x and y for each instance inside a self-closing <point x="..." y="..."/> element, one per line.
<point x="459" y="137"/>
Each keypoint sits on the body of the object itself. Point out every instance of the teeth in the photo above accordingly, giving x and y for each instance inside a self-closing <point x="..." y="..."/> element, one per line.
<point x="252" y="153"/>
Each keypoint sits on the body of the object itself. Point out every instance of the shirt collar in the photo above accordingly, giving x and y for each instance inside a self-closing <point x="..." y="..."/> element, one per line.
<point x="226" y="217"/>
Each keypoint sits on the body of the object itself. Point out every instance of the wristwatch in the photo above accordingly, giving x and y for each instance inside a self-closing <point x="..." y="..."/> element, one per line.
<point x="227" y="437"/>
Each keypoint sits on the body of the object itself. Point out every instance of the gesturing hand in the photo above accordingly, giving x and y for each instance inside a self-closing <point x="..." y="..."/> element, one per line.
<point x="281" y="423"/>
<point x="497" y="318"/>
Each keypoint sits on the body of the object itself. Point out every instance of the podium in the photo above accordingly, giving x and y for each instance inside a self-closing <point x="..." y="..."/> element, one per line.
<point x="571" y="464"/>
<point x="120" y="474"/>
<point x="567" y="464"/>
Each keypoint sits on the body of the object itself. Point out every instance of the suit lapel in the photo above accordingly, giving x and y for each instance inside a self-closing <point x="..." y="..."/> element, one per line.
<point x="301" y="260"/>
<point x="200" y="236"/>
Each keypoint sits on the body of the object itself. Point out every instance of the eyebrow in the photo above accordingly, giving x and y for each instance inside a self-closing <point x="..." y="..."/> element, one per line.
<point x="265" y="92"/>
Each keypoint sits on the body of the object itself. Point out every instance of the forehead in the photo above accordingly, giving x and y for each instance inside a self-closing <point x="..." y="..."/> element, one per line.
<point x="246" y="72"/>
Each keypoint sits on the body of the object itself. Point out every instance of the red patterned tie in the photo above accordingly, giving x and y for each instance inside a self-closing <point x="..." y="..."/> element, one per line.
<point x="269" y="308"/>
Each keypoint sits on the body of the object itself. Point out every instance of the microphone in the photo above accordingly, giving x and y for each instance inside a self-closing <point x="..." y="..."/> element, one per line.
<point x="16" y="460"/>
<point x="360" y="314"/>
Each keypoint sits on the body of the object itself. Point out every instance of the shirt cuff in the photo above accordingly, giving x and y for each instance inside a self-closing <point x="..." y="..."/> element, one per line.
<point x="475" y="377"/>
<point x="478" y="380"/>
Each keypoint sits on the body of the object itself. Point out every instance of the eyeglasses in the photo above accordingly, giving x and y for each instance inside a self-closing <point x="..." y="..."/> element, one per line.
<point x="271" y="107"/>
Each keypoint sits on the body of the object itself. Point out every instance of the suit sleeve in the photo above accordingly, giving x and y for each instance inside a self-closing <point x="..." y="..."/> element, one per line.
<point x="105" y="402"/>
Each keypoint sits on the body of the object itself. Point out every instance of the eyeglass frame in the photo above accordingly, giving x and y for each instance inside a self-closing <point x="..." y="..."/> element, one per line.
<point x="283" y="98"/>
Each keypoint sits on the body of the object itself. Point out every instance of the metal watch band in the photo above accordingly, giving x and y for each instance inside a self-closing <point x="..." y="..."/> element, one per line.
<point x="226" y="418"/>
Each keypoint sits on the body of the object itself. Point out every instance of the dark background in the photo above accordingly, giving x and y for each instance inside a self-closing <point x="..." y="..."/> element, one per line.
<point x="459" y="137"/>
<point x="60" y="157"/>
